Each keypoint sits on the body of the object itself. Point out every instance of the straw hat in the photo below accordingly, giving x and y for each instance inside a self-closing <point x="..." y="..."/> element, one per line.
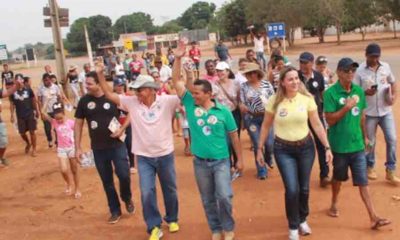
<point x="252" y="67"/>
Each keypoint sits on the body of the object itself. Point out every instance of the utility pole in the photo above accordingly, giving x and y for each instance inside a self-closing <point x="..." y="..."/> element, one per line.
<point x="88" y="47"/>
<point x="58" y="42"/>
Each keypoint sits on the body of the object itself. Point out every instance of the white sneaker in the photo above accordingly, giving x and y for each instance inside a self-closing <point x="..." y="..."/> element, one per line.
<point x="293" y="234"/>
<point x="305" y="229"/>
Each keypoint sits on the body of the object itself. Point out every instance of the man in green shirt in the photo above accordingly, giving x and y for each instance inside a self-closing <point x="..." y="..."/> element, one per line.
<point x="344" y="105"/>
<point x="209" y="124"/>
<point x="126" y="63"/>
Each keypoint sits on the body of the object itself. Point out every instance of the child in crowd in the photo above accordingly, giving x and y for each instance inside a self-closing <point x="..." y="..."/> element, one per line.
<point x="64" y="128"/>
<point x="321" y="65"/>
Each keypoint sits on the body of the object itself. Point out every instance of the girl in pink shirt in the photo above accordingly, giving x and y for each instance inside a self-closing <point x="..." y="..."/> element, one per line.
<point x="65" y="146"/>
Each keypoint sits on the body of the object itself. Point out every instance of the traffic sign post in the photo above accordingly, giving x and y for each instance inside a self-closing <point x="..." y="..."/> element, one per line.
<point x="276" y="30"/>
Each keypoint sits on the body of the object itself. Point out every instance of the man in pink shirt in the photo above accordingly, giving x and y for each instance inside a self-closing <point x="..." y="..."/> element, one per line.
<point x="136" y="67"/>
<point x="152" y="143"/>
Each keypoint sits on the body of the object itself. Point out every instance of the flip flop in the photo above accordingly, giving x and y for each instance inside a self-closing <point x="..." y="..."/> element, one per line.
<point x="380" y="223"/>
<point x="78" y="195"/>
<point x="333" y="213"/>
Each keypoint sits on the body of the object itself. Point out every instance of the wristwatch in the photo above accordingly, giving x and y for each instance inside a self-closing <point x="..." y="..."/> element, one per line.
<point x="327" y="148"/>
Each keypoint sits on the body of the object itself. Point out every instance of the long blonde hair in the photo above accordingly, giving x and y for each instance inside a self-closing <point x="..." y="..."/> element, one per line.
<point x="281" y="91"/>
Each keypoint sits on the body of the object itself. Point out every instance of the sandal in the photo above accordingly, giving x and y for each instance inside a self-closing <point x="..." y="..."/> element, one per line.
<point x="333" y="212"/>
<point x="381" y="222"/>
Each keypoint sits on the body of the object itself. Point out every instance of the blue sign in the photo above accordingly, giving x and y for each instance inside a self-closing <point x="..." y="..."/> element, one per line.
<point x="276" y="30"/>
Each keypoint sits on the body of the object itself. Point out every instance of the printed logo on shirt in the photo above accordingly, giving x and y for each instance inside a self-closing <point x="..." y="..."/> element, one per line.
<point x="93" y="125"/>
<point x="212" y="120"/>
<point x="24" y="95"/>
<point x="342" y="100"/>
<point x="315" y="84"/>
<point x="355" y="111"/>
<point x="283" y="112"/>
<point x="384" y="80"/>
<point x="91" y="105"/>
<point x="356" y="98"/>
<point x="207" y="130"/>
<point x="198" y="112"/>
<point x="106" y="106"/>
<point x="200" y="122"/>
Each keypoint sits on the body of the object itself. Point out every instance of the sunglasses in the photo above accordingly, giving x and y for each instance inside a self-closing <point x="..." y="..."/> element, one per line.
<point x="348" y="70"/>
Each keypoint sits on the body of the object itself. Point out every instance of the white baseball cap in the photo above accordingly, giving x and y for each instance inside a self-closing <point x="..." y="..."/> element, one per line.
<point x="143" y="81"/>
<point x="222" y="66"/>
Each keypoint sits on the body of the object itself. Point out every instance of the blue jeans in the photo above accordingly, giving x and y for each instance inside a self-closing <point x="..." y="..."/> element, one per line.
<point x="164" y="167"/>
<point x="261" y="58"/>
<point x="214" y="182"/>
<point x="104" y="160"/>
<point x="389" y="131"/>
<point x="253" y="126"/>
<point x="295" y="164"/>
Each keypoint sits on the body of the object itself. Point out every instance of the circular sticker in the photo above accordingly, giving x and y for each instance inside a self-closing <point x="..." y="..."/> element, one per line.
<point x="356" y="98"/>
<point x="253" y="128"/>
<point x="200" y="122"/>
<point x="91" y="105"/>
<point x="383" y="80"/>
<point x="301" y="108"/>
<point x="283" y="112"/>
<point x="198" y="112"/>
<point x="106" y="106"/>
<point x="342" y="101"/>
<point x="207" y="130"/>
<point x="355" y="111"/>
<point x="315" y="84"/>
<point x="93" y="125"/>
<point x="212" y="120"/>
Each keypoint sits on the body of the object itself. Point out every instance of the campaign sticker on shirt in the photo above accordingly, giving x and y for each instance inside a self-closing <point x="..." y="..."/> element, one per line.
<point x="91" y="105"/>
<point x="383" y="80"/>
<point x="342" y="100"/>
<point x="200" y="122"/>
<point x="212" y="120"/>
<point x="355" y="111"/>
<point x="301" y="108"/>
<point x="253" y="128"/>
<point x="356" y="98"/>
<point x="93" y="125"/>
<point x="198" y="112"/>
<point x="207" y="130"/>
<point x="106" y="106"/>
<point x="283" y="112"/>
<point x="315" y="84"/>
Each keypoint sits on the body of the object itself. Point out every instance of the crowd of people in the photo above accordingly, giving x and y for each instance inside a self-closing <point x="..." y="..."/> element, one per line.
<point x="291" y="115"/>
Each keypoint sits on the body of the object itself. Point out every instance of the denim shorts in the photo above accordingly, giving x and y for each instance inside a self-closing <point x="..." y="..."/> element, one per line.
<point x="357" y="162"/>
<point x="66" y="152"/>
<point x="3" y="135"/>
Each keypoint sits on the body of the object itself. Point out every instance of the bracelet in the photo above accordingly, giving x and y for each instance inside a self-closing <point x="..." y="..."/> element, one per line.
<point x="327" y="148"/>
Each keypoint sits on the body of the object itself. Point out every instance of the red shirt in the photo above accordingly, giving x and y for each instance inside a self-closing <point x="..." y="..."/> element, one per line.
<point x="194" y="54"/>
<point x="135" y="66"/>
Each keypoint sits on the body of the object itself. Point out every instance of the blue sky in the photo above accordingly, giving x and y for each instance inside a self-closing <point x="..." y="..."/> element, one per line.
<point x="22" y="20"/>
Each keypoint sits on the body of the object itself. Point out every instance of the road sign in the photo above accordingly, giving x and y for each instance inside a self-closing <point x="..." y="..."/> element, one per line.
<point x="128" y="44"/>
<point x="63" y="22"/>
<point x="275" y="30"/>
<point x="3" y="52"/>
<point x="62" y="12"/>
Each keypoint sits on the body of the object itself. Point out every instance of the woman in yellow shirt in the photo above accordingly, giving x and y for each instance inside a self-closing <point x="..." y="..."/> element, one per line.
<point x="289" y="110"/>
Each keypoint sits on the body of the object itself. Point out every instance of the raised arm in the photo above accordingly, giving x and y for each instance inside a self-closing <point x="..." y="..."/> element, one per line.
<point x="110" y="95"/>
<point x="10" y="91"/>
<point x="177" y="81"/>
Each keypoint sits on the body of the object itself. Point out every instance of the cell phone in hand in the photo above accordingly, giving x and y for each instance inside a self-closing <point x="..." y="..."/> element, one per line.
<point x="374" y="87"/>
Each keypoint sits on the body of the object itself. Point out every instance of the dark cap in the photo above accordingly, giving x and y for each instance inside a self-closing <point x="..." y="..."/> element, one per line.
<point x="321" y="60"/>
<point x="306" y="57"/>
<point x="345" y="63"/>
<point x="373" y="49"/>
<point x="118" y="82"/>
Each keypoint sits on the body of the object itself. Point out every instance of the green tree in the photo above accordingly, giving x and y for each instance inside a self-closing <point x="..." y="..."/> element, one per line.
<point x="336" y="10"/>
<point x="100" y="31"/>
<point x="319" y="19"/>
<point x="197" y="16"/>
<point x="356" y="19"/>
<point x="232" y="18"/>
<point x="135" y="22"/>
<point x="389" y="11"/>
<point x="170" y="27"/>
<point x="76" y="36"/>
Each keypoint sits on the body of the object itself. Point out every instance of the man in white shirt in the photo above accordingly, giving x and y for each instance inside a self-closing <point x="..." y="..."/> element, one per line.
<point x="82" y="77"/>
<point x="259" y="40"/>
<point x="378" y="82"/>
<point x="164" y="71"/>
